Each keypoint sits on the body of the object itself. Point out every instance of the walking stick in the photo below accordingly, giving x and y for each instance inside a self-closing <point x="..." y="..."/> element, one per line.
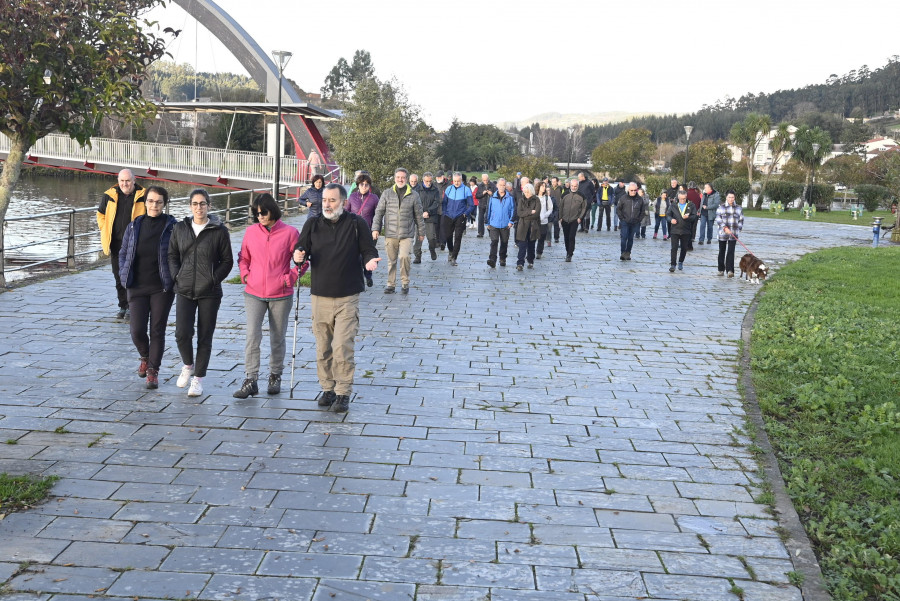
<point x="302" y="270"/>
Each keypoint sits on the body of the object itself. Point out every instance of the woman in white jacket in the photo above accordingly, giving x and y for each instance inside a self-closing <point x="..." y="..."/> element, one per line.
<point x="546" y="200"/>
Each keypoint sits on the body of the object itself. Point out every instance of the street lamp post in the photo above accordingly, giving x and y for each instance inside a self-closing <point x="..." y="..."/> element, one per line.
<point x="815" y="159"/>
<point x="282" y="57"/>
<point x="570" y="130"/>
<point x="687" y="146"/>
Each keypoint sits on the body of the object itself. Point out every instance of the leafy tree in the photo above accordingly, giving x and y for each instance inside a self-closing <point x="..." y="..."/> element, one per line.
<point x="707" y="161"/>
<point x="530" y="166"/>
<point x="740" y="186"/>
<point x="885" y="170"/>
<point x="361" y="68"/>
<point x="380" y="131"/>
<point x="337" y="82"/>
<point x="487" y="146"/>
<point x="656" y="184"/>
<point x="846" y="169"/>
<point x="627" y="155"/>
<point x="454" y="148"/>
<point x="95" y="54"/>
<point x="872" y="197"/>
<point x="343" y="78"/>
<point x="780" y="143"/>
<point x="783" y="191"/>
<point x="748" y="135"/>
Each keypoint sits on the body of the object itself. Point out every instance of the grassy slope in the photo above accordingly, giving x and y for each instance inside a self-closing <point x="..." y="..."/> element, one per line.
<point x="826" y="366"/>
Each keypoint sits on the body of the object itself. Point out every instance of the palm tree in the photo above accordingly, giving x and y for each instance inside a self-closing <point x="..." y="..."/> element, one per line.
<point x="781" y="143"/>
<point x="810" y="146"/>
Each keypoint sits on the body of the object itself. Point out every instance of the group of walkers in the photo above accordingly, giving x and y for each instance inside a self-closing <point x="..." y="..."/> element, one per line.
<point x="158" y="261"/>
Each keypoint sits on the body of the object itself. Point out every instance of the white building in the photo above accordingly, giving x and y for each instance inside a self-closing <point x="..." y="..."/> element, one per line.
<point x="763" y="157"/>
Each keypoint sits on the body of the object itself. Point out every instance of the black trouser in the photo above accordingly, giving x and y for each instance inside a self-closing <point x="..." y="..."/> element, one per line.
<point x="569" y="228"/>
<point x="482" y="209"/>
<point x="586" y="219"/>
<point x="682" y="240"/>
<point x="556" y="229"/>
<point x="499" y="237"/>
<point x="726" y="255"/>
<point x="545" y="231"/>
<point x="204" y="311"/>
<point x="526" y="249"/>
<point x="607" y="210"/>
<point x="155" y="309"/>
<point x="452" y="231"/>
<point x="121" y="293"/>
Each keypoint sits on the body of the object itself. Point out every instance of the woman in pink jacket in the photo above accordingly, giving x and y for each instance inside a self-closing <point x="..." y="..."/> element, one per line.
<point x="269" y="277"/>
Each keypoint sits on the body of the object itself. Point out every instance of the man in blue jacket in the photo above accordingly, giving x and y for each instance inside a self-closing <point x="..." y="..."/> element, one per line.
<point x="499" y="221"/>
<point x="457" y="205"/>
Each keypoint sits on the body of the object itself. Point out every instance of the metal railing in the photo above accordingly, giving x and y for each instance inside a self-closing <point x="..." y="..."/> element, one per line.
<point x="193" y="160"/>
<point x="231" y="214"/>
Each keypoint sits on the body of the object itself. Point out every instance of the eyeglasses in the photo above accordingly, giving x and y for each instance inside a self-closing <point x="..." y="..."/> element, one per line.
<point x="198" y="204"/>
<point x="156" y="202"/>
<point x="261" y="213"/>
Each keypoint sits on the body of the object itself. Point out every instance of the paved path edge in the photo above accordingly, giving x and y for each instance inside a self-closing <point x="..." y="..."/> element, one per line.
<point x="796" y="541"/>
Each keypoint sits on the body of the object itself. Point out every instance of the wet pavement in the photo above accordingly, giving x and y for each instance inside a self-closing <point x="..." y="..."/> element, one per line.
<point x="568" y="432"/>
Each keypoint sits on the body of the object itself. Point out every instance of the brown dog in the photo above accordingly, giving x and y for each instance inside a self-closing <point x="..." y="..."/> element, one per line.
<point x="753" y="268"/>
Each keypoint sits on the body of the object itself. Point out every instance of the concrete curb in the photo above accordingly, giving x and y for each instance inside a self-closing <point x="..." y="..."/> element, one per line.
<point x="797" y="543"/>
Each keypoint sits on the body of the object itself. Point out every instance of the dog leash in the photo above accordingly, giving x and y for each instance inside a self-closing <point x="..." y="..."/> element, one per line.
<point x="742" y="244"/>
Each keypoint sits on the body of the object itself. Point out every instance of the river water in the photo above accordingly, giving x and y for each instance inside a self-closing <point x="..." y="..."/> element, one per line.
<point x="36" y="194"/>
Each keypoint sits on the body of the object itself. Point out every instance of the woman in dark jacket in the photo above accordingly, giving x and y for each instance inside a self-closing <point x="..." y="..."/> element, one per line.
<point x="528" y="229"/>
<point x="144" y="272"/>
<point x="682" y="215"/>
<point x="313" y="197"/>
<point x="200" y="258"/>
<point x="363" y="202"/>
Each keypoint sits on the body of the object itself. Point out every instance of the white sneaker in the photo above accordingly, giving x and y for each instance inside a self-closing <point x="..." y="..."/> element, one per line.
<point x="186" y="372"/>
<point x="196" y="388"/>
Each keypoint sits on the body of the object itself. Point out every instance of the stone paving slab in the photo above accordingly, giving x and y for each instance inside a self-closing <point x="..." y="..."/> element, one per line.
<point x="547" y="435"/>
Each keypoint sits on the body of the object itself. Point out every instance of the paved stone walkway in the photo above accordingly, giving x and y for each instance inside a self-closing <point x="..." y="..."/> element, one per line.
<point x="559" y="434"/>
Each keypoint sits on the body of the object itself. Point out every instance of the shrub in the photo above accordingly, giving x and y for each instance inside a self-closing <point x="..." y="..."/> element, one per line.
<point x="656" y="184"/>
<point x="783" y="191"/>
<point x="872" y="196"/>
<point x="740" y="185"/>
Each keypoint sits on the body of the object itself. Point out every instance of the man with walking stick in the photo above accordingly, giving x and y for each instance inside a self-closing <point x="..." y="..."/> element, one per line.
<point x="338" y="245"/>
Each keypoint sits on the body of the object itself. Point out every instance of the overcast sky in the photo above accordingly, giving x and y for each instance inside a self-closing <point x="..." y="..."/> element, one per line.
<point x="491" y="61"/>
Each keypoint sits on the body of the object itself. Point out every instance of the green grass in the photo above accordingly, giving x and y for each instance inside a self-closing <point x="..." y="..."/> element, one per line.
<point x="830" y="217"/>
<point x="826" y="366"/>
<point x="22" y="492"/>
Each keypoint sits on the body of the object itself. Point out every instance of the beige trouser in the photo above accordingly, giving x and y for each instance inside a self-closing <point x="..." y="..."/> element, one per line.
<point x="398" y="248"/>
<point x="335" y="322"/>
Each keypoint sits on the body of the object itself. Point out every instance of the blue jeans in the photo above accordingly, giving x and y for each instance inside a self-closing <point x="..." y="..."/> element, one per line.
<point x="661" y="220"/>
<point x="706" y="224"/>
<point x="627" y="231"/>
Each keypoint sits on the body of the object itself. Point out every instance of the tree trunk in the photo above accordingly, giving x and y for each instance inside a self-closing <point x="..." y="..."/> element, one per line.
<point x="12" y="168"/>
<point x="895" y="233"/>
<point x="762" y="191"/>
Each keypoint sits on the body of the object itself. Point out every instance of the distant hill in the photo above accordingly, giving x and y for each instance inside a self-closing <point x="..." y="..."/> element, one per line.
<point x="564" y="120"/>
<point x="859" y="93"/>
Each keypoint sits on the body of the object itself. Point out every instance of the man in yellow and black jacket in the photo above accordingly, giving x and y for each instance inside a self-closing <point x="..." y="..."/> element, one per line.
<point x="120" y="205"/>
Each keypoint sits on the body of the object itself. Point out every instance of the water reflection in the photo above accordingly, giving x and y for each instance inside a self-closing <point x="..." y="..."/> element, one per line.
<point x="44" y="194"/>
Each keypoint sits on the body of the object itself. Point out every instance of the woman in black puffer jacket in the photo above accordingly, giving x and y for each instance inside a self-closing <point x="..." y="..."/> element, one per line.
<point x="144" y="272"/>
<point x="313" y="197"/>
<point x="200" y="258"/>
